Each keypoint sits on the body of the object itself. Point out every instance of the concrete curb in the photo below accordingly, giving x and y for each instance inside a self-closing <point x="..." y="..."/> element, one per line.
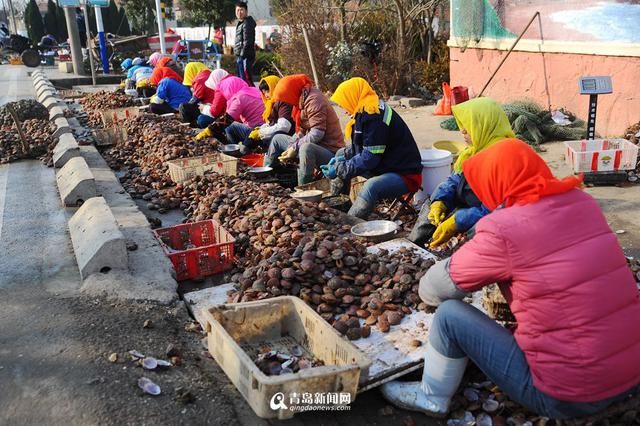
<point x="52" y="102"/>
<point x="76" y="183"/>
<point x="44" y="87"/>
<point x="98" y="244"/>
<point x="66" y="149"/>
<point x="62" y="127"/>
<point x="55" y="113"/>
<point x="44" y="93"/>
<point x="42" y="84"/>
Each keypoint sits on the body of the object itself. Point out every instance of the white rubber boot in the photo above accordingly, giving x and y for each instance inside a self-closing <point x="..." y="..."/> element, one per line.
<point x="440" y="380"/>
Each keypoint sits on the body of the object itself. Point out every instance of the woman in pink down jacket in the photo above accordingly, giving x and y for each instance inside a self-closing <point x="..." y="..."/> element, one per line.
<point x="546" y="243"/>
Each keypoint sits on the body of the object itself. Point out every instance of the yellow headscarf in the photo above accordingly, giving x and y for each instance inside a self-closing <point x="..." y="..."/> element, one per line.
<point x="486" y="123"/>
<point x="191" y="71"/>
<point x="356" y="95"/>
<point x="272" y="81"/>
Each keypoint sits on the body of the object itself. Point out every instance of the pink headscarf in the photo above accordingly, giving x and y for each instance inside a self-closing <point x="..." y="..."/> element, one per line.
<point x="154" y="58"/>
<point x="215" y="78"/>
<point x="233" y="86"/>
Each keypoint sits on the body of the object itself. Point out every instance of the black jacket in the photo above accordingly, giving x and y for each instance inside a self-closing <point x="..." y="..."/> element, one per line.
<point x="245" y="38"/>
<point x="380" y="143"/>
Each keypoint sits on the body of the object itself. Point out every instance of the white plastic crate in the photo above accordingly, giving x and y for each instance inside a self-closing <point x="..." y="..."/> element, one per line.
<point x="601" y="155"/>
<point x="184" y="169"/>
<point x="236" y="333"/>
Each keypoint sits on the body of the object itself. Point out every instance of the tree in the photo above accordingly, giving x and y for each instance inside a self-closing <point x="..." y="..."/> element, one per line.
<point x="62" y="24"/>
<point x="123" y="23"/>
<point x="51" y="20"/>
<point x="111" y="24"/>
<point x="141" y="16"/>
<point x="33" y="21"/>
<point x="209" y="12"/>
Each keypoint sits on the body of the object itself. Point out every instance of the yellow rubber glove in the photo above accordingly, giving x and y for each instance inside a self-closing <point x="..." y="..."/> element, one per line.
<point x="288" y="155"/>
<point x="255" y="134"/>
<point x="206" y="133"/>
<point x="437" y="212"/>
<point x="123" y="84"/>
<point x="444" y="232"/>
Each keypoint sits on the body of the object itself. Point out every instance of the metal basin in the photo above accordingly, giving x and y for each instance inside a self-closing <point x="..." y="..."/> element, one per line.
<point x="260" y="171"/>
<point x="375" y="230"/>
<point x="311" y="195"/>
<point x="230" y="149"/>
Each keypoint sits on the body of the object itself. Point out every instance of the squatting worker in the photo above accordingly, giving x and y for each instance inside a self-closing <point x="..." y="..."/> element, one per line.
<point x="189" y="111"/>
<point x="482" y="123"/>
<point x="169" y="95"/>
<point x="211" y="108"/>
<point x="243" y="113"/>
<point x="382" y="148"/>
<point x="318" y="136"/>
<point x="549" y="246"/>
<point x="124" y="67"/>
<point x="277" y="118"/>
<point x="244" y="47"/>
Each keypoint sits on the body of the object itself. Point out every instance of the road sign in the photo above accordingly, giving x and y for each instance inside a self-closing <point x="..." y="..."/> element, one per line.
<point x="69" y="3"/>
<point x="99" y="3"/>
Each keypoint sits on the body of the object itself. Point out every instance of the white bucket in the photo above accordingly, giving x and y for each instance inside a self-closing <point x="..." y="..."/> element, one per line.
<point x="436" y="167"/>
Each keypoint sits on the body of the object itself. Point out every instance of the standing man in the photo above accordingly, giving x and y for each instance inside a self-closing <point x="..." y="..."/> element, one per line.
<point x="82" y="28"/>
<point x="245" y="40"/>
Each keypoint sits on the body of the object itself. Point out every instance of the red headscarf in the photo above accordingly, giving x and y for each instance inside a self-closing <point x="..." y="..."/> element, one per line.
<point x="511" y="172"/>
<point x="288" y="90"/>
<point x="163" y="72"/>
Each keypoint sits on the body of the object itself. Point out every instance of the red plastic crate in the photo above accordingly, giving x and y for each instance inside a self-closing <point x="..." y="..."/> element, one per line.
<point x="197" y="250"/>
<point x="253" y="160"/>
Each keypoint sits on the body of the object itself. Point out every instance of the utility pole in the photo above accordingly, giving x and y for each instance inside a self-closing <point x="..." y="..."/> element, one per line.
<point x="102" y="40"/>
<point x="74" y="40"/>
<point x="89" y="50"/>
<point x="160" y="18"/>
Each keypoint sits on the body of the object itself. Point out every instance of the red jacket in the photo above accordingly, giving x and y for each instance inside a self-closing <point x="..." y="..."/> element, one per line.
<point x="201" y="91"/>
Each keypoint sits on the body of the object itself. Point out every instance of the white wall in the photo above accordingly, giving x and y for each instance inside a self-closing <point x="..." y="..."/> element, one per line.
<point x="200" y="33"/>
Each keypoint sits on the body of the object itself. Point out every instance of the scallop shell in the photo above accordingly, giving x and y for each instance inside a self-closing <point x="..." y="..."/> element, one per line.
<point x="148" y="386"/>
<point x="149" y="363"/>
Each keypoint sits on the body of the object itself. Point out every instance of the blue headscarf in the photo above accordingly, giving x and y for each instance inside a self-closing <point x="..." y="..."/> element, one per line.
<point x="126" y="64"/>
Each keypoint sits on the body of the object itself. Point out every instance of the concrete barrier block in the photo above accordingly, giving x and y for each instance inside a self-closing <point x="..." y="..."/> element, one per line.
<point x="41" y="82"/>
<point x="66" y="149"/>
<point x="62" y="123"/>
<point x="97" y="241"/>
<point x="76" y="183"/>
<point x="61" y="131"/>
<point x="65" y="67"/>
<point x="56" y="112"/>
<point x="42" y="87"/>
<point x="44" y="95"/>
<point x="51" y="102"/>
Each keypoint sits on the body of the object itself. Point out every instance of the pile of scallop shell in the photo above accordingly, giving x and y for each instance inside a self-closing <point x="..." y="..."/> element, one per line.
<point x="276" y="363"/>
<point x="93" y="103"/>
<point x="151" y="142"/>
<point x="25" y="109"/>
<point x="348" y="286"/>
<point x="38" y="135"/>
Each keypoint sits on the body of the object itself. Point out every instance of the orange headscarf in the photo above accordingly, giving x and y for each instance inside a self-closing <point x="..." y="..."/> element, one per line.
<point x="163" y="72"/>
<point x="511" y="172"/>
<point x="163" y="62"/>
<point x="288" y="90"/>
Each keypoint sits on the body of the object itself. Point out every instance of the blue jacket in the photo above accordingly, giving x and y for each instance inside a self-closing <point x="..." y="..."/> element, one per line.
<point x="173" y="92"/>
<point x="380" y="143"/>
<point x="455" y="193"/>
<point x="133" y="69"/>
